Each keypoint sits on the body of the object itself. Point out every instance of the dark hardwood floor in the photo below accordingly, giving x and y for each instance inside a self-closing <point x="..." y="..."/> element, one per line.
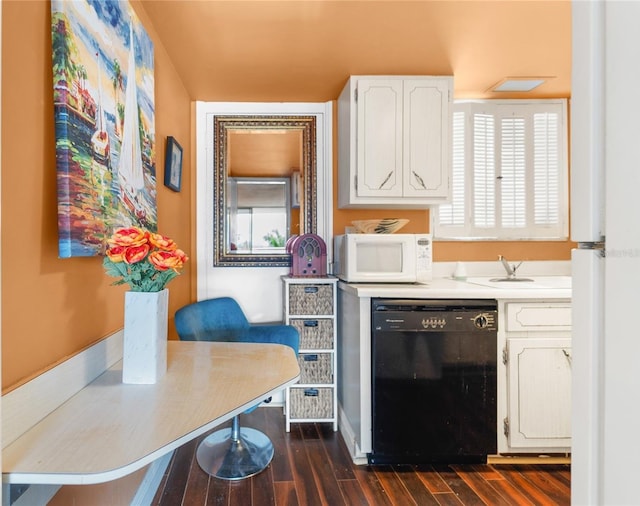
<point x="311" y="466"/>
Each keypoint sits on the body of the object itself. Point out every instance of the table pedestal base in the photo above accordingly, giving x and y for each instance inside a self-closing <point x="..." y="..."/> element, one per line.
<point x="235" y="453"/>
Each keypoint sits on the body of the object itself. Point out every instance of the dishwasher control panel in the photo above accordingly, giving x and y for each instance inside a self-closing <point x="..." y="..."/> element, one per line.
<point x="408" y="315"/>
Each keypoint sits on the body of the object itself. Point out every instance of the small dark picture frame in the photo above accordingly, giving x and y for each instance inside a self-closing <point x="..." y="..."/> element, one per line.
<point x="173" y="165"/>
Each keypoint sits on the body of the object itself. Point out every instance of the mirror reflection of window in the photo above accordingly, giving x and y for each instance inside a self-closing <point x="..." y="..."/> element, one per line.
<point x="258" y="215"/>
<point x="260" y="230"/>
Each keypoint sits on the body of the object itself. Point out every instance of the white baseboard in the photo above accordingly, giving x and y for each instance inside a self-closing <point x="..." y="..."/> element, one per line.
<point x="25" y="406"/>
<point x="349" y="436"/>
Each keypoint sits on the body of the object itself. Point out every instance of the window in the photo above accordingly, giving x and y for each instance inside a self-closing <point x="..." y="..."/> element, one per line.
<point x="509" y="172"/>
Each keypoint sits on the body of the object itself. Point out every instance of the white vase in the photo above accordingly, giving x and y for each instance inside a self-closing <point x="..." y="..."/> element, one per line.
<point x="145" y="336"/>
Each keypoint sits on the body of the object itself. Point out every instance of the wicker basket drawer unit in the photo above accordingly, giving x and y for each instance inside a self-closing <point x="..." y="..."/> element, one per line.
<point x="310" y="299"/>
<point x="311" y="403"/>
<point x="316" y="367"/>
<point x="314" y="334"/>
<point x="310" y="307"/>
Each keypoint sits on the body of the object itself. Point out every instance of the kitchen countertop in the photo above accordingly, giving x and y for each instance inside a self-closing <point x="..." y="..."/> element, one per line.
<point x="543" y="287"/>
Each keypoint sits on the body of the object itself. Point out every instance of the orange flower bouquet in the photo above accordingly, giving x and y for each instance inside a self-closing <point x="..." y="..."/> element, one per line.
<point x="142" y="259"/>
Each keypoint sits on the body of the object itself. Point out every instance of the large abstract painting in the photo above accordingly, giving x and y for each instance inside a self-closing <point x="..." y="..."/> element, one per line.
<point x="103" y="89"/>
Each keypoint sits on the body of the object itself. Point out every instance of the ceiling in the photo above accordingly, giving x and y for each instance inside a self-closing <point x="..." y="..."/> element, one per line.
<point x="304" y="50"/>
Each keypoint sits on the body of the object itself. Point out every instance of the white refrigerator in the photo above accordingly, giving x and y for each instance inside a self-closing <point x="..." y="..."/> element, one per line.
<point x="605" y="222"/>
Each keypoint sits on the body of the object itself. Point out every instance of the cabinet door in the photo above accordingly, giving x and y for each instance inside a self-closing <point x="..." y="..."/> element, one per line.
<point x="426" y="128"/>
<point x="539" y="372"/>
<point x="379" y="138"/>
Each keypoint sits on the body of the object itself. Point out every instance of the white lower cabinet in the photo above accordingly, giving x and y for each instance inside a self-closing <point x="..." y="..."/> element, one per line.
<point x="539" y="392"/>
<point x="534" y="384"/>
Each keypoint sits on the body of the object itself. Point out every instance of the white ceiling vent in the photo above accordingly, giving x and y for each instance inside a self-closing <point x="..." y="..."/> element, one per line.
<point x="518" y="84"/>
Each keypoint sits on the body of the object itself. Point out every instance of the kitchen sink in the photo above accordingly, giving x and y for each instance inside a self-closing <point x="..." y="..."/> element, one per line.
<point x="532" y="283"/>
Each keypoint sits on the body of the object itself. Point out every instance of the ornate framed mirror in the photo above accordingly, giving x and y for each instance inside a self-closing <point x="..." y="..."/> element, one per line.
<point x="256" y="158"/>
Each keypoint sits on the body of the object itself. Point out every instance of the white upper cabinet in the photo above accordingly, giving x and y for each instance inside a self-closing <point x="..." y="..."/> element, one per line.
<point x="394" y="135"/>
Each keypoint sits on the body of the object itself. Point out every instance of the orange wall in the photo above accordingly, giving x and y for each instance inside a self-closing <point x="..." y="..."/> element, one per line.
<point x="52" y="308"/>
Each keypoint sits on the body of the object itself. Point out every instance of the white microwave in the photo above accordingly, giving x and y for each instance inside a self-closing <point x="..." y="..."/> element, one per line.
<point x="383" y="258"/>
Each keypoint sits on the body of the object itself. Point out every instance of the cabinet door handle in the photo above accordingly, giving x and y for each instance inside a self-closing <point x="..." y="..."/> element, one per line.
<point x="420" y="180"/>
<point x="385" y="180"/>
<point x="567" y="355"/>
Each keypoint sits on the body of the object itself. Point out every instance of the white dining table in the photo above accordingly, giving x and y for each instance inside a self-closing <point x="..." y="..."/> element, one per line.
<point x="110" y="429"/>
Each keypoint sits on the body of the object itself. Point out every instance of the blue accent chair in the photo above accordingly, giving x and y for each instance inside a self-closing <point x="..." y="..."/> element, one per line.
<point x="237" y="452"/>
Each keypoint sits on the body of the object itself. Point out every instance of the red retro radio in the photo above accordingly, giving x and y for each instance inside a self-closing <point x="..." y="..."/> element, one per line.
<point x="308" y="255"/>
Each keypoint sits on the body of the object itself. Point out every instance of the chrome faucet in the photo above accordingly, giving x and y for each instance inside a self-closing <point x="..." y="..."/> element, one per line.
<point x="511" y="269"/>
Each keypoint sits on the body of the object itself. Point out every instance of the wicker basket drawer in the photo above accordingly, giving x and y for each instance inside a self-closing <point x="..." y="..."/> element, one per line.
<point x="310" y="299"/>
<point x="311" y="403"/>
<point x="316" y="367"/>
<point x="314" y="334"/>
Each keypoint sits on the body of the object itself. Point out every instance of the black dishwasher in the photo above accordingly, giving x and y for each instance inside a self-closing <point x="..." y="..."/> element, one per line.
<point x="433" y="381"/>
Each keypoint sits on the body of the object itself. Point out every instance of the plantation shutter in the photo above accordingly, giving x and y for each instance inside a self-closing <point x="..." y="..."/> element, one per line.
<point x="454" y="214"/>
<point x="512" y="172"/>
<point x="546" y="169"/>
<point x="484" y="171"/>
<point x="509" y="173"/>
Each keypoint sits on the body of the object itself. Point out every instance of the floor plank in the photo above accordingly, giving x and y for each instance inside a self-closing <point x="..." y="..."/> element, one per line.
<point x="302" y="471"/>
<point x="447" y="499"/>
<point x="432" y="480"/>
<point x="311" y="466"/>
<point x="465" y="493"/>
<point x="393" y="487"/>
<point x="549" y="487"/>
<point x="352" y="493"/>
<point x="371" y="486"/>
<point x="419" y="493"/>
<point x="510" y="492"/>
<point x="528" y="489"/>
<point x="480" y="486"/>
<point x="323" y="473"/>
<point x="336" y="452"/>
<point x="178" y="475"/>
<point x="197" y="487"/>
<point x="217" y="493"/>
<point x="285" y="493"/>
